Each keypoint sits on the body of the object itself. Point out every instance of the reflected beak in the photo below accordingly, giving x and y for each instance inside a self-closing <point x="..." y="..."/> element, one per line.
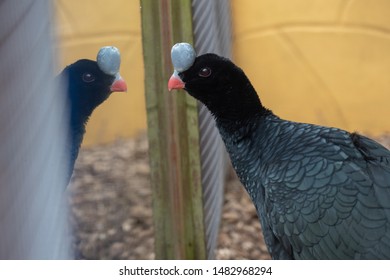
<point x="175" y="82"/>
<point x="119" y="85"/>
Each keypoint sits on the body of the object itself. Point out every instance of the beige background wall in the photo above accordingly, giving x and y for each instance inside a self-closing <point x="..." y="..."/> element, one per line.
<point x="318" y="61"/>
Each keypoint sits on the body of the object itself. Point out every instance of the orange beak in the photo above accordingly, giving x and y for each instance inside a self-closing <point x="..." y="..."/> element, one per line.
<point x="175" y="82"/>
<point x="119" y="85"/>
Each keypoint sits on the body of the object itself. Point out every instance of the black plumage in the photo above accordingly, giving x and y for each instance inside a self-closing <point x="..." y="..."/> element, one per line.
<point x="87" y="86"/>
<point x="319" y="192"/>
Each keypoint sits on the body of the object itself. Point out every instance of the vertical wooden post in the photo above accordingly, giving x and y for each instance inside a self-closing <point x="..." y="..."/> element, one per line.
<point x="173" y="135"/>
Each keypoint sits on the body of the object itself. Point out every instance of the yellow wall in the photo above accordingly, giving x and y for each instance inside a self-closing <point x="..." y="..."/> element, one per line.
<point x="83" y="26"/>
<point x="318" y="61"/>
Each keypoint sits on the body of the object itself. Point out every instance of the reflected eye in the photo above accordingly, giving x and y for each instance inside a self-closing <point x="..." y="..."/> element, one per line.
<point x="205" y="72"/>
<point x="88" y="77"/>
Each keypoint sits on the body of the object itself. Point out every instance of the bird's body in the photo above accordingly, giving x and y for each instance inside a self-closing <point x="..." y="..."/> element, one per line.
<point x="319" y="192"/>
<point x="87" y="86"/>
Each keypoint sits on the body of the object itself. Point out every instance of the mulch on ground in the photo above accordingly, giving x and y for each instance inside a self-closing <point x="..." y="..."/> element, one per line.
<point x="111" y="207"/>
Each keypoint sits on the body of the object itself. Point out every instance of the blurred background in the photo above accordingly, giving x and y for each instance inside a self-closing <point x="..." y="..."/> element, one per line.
<point x="323" y="62"/>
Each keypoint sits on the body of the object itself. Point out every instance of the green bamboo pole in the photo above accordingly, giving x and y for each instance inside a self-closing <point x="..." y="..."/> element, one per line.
<point x="173" y="135"/>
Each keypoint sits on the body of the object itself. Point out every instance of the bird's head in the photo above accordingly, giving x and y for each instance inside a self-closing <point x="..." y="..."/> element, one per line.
<point x="91" y="82"/>
<point x="109" y="61"/>
<point x="215" y="81"/>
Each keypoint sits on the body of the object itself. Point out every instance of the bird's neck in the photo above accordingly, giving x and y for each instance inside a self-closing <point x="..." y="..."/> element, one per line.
<point x="241" y="104"/>
<point x="242" y="113"/>
<point x="245" y="123"/>
<point x="247" y="141"/>
<point x="79" y="116"/>
<point x="77" y="125"/>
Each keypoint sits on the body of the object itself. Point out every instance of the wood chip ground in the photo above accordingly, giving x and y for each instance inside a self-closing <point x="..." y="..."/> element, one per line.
<point x="111" y="213"/>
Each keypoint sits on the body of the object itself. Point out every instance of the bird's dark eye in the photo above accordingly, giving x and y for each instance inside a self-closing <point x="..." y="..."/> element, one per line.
<point x="88" y="77"/>
<point x="205" y="72"/>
